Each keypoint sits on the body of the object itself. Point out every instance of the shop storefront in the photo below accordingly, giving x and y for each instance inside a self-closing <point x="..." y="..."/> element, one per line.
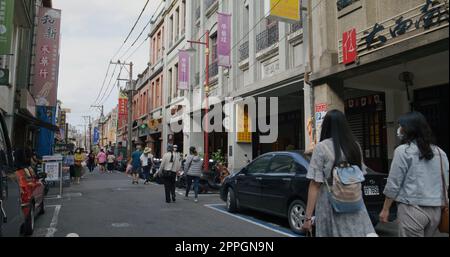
<point x="392" y="67"/>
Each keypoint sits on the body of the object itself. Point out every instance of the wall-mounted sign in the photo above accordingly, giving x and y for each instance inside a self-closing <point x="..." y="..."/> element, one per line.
<point x="283" y="10"/>
<point x="244" y="134"/>
<point x="321" y="112"/>
<point x="6" y="25"/>
<point x="424" y="18"/>
<point x="349" y="46"/>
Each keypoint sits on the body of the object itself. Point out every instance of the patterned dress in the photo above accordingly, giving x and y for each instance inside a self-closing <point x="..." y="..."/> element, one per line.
<point x="329" y="223"/>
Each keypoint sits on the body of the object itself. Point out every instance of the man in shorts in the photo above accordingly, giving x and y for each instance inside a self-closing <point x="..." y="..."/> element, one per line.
<point x="136" y="164"/>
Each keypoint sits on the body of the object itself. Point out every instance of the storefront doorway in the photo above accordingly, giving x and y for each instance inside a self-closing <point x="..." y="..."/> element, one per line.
<point x="433" y="102"/>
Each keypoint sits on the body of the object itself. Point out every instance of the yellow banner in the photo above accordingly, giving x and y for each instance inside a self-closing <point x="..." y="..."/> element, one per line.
<point x="244" y="134"/>
<point x="285" y="10"/>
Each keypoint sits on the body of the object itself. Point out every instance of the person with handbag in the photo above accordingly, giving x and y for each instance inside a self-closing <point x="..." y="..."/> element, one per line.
<point x="418" y="180"/>
<point x="193" y="170"/>
<point x="170" y="166"/>
<point x="329" y="170"/>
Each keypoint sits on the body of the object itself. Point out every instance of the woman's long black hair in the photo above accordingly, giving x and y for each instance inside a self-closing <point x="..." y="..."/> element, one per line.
<point x="415" y="128"/>
<point x="335" y="126"/>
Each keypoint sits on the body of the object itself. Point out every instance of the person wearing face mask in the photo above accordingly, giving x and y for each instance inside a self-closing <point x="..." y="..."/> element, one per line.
<point x="418" y="179"/>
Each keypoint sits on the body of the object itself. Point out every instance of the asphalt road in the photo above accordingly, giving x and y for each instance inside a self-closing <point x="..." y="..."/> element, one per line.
<point x="108" y="205"/>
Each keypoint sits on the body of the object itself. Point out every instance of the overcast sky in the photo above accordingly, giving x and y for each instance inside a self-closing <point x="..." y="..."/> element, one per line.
<point x="92" y="32"/>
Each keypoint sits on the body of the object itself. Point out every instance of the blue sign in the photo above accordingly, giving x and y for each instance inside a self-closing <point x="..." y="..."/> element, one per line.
<point x="96" y="136"/>
<point x="46" y="137"/>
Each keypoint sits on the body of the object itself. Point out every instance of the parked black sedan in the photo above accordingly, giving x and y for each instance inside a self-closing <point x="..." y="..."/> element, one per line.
<point x="276" y="183"/>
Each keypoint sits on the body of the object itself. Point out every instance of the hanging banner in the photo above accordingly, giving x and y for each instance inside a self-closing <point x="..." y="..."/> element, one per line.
<point x="123" y="110"/>
<point x="96" y="136"/>
<point x="224" y="40"/>
<point x="183" y="71"/>
<point x="283" y="10"/>
<point x="45" y="80"/>
<point x="6" y="25"/>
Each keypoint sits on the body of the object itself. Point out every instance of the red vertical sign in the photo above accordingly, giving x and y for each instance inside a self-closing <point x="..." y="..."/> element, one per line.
<point x="47" y="57"/>
<point x="349" y="47"/>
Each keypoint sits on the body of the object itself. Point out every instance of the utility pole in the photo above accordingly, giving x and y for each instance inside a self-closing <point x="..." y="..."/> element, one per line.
<point x="100" y="122"/>
<point x="130" y="92"/>
<point x="90" y="131"/>
<point x="205" y="126"/>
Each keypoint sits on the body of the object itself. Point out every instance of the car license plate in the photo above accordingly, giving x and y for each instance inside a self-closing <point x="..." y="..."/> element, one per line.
<point x="371" y="190"/>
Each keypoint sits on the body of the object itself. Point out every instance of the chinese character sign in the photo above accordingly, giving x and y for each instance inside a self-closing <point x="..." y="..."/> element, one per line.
<point x="349" y="46"/>
<point x="183" y="70"/>
<point x="224" y="40"/>
<point x="47" y="57"/>
<point x="6" y="25"/>
<point x="123" y="110"/>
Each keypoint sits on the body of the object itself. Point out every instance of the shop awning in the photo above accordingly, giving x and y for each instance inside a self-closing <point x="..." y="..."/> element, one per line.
<point x="37" y="122"/>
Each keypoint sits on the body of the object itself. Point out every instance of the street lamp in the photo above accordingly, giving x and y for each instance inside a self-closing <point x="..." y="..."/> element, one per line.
<point x="205" y="132"/>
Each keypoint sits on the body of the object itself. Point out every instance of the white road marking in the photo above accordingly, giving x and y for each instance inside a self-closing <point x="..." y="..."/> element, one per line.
<point x="72" y="235"/>
<point x="52" y="229"/>
<point x="247" y="220"/>
<point x="120" y="225"/>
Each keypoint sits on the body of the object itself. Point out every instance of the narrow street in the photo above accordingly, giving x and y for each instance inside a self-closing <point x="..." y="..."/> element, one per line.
<point x="108" y="205"/>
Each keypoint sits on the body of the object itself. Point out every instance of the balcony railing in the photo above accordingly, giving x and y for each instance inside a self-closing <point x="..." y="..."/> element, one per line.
<point x="197" y="13"/>
<point x="267" y="38"/>
<point x="243" y="51"/>
<point x="209" y="3"/>
<point x="341" y="4"/>
<point x="214" y="69"/>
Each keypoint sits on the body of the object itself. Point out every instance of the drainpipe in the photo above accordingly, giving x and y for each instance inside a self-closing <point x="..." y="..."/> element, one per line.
<point x="309" y="70"/>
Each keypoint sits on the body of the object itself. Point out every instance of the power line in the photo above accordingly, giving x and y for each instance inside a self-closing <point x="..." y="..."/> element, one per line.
<point x="109" y="84"/>
<point x="103" y="83"/>
<point x="112" y="88"/>
<point x="134" y="26"/>
<point x="131" y="31"/>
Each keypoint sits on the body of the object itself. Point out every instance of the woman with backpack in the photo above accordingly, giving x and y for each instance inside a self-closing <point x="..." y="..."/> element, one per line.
<point x="418" y="180"/>
<point x="170" y="166"/>
<point x="335" y="189"/>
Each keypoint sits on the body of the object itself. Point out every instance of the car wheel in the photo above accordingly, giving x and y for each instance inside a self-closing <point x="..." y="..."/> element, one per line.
<point x="41" y="208"/>
<point x="29" y="222"/>
<point x="231" y="201"/>
<point x="296" y="216"/>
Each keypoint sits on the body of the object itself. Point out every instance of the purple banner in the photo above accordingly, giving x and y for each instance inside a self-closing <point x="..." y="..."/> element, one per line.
<point x="224" y="40"/>
<point x="183" y="71"/>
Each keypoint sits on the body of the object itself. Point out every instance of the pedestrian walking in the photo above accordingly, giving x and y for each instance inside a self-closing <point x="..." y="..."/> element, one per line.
<point x="136" y="164"/>
<point x="101" y="160"/>
<point x="418" y="179"/>
<point x="70" y="162"/>
<point x="91" y="161"/>
<point x="79" y="158"/>
<point x="111" y="159"/>
<point x="170" y="165"/>
<point x="193" y="170"/>
<point x="337" y="146"/>
<point x="147" y="163"/>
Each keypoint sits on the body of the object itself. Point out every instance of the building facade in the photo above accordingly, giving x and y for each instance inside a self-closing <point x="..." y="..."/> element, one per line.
<point x="376" y="60"/>
<point x="16" y="100"/>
